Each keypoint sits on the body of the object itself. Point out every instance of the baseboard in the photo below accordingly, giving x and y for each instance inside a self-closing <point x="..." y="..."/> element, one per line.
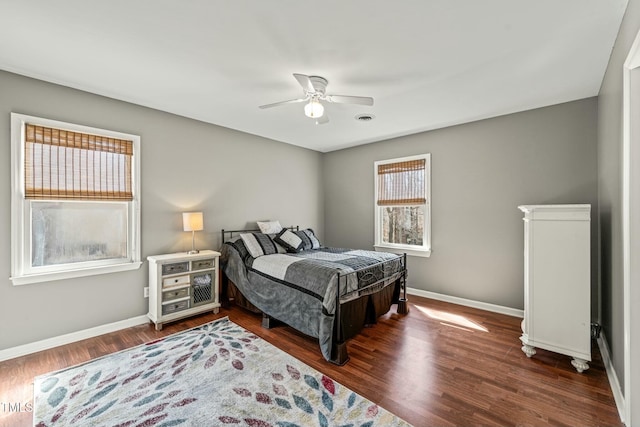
<point x="467" y="302"/>
<point x="618" y="394"/>
<point x="23" y="350"/>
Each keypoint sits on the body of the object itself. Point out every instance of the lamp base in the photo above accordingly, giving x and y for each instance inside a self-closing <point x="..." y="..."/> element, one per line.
<point x="193" y="250"/>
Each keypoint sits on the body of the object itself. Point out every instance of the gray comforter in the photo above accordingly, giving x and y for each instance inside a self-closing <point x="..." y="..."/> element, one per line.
<point x="300" y="288"/>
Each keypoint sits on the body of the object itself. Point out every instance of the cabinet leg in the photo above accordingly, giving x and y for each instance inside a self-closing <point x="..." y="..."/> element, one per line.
<point x="528" y="350"/>
<point x="581" y="365"/>
<point x="216" y="310"/>
<point x="158" y="326"/>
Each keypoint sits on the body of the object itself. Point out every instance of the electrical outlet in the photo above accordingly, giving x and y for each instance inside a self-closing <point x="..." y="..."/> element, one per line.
<point x="146" y="292"/>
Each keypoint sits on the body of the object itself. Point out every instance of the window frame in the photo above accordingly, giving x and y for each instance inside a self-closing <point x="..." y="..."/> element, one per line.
<point x="22" y="272"/>
<point x="413" y="250"/>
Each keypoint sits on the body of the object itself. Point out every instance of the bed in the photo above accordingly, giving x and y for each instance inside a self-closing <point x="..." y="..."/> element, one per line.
<point x="324" y="292"/>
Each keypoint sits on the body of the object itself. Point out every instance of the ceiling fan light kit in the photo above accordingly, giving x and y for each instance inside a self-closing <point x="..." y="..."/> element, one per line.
<point x="313" y="109"/>
<point x="314" y="88"/>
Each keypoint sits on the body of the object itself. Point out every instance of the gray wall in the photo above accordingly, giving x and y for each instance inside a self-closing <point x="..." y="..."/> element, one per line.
<point x="185" y="165"/>
<point x="481" y="172"/>
<point x="610" y="188"/>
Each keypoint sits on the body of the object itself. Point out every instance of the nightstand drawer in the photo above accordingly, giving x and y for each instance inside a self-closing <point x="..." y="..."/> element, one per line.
<point x="178" y="293"/>
<point x="202" y="264"/>
<point x="178" y="267"/>
<point x="175" y="281"/>
<point x="175" y="307"/>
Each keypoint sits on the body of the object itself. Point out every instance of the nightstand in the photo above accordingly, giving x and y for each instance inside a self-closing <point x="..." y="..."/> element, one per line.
<point x="182" y="285"/>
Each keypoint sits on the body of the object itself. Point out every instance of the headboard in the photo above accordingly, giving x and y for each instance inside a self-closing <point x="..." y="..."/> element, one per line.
<point x="228" y="234"/>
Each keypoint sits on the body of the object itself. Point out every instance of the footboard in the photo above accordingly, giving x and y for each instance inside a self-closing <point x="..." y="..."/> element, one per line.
<point x="339" y="353"/>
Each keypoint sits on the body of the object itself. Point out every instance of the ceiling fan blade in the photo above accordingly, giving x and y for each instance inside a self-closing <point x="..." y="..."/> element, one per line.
<point x="322" y="119"/>
<point x="305" y="82"/>
<point x="291" y="101"/>
<point x="345" y="99"/>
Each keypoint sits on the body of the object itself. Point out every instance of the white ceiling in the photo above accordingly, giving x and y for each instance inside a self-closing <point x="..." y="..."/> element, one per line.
<point x="427" y="63"/>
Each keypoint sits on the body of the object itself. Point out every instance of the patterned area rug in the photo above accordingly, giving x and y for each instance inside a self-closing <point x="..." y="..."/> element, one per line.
<point x="218" y="374"/>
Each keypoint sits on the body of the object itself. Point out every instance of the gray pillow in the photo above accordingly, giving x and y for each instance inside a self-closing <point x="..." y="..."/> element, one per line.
<point x="289" y="240"/>
<point x="309" y="239"/>
<point x="258" y="244"/>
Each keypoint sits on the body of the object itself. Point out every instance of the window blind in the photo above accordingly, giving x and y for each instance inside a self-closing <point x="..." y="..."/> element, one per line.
<point x="401" y="183"/>
<point x="61" y="164"/>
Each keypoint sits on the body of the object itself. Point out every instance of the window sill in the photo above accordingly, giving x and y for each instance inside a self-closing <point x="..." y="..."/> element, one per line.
<point x="27" y="279"/>
<point x="425" y="253"/>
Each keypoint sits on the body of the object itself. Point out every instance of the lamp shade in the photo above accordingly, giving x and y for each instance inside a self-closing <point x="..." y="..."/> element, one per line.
<point x="192" y="221"/>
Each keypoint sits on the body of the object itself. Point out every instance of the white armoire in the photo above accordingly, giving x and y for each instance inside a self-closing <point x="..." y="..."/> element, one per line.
<point x="557" y="281"/>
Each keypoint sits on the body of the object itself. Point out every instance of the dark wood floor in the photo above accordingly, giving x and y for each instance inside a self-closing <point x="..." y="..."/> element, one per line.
<point x="440" y="365"/>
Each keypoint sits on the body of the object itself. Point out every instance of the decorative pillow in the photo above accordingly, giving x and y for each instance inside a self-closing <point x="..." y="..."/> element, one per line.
<point x="269" y="227"/>
<point x="309" y="240"/>
<point x="281" y="249"/>
<point x="289" y="240"/>
<point x="258" y="244"/>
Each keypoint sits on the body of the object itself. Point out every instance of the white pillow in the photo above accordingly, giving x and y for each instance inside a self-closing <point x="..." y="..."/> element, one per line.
<point x="269" y="227"/>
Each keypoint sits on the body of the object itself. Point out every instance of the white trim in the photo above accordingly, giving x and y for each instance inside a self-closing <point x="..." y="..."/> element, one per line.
<point x="21" y="271"/>
<point x="426" y="253"/>
<point x="611" y="374"/>
<point x="425" y="250"/>
<point x="23" y="350"/>
<point x="630" y="146"/>
<point x="27" y="279"/>
<point x="467" y="302"/>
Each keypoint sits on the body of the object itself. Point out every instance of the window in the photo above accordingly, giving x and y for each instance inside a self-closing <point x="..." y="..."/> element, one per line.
<point x="75" y="200"/>
<point x="403" y="205"/>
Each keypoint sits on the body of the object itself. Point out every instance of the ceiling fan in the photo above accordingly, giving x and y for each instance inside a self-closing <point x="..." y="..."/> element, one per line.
<point x="314" y="88"/>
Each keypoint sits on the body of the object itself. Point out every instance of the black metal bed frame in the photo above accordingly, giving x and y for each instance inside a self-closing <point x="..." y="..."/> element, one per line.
<point x="339" y="353"/>
<point x="230" y="232"/>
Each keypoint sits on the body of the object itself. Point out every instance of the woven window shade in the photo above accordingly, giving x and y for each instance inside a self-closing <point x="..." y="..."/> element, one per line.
<point x="401" y="183"/>
<point x="62" y="164"/>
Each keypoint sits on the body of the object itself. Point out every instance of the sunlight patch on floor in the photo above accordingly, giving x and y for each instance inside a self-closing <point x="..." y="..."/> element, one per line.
<point x="453" y="320"/>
